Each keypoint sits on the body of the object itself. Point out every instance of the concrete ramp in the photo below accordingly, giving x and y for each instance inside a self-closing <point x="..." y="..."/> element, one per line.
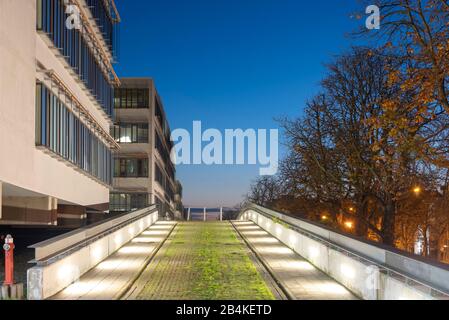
<point x="111" y="278"/>
<point x="299" y="278"/>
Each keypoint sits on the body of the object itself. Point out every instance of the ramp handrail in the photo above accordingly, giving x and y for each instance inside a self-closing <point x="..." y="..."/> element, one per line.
<point x="54" y="249"/>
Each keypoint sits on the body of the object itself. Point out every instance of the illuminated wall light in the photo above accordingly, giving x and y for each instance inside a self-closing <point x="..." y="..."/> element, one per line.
<point x="347" y="271"/>
<point x="118" y="239"/>
<point x="67" y="272"/>
<point x="314" y="252"/>
<point x="293" y="240"/>
<point x="324" y="217"/>
<point x="278" y="231"/>
<point x="97" y="252"/>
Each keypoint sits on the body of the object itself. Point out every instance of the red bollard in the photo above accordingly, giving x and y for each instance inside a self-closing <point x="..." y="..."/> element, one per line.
<point x="9" y="260"/>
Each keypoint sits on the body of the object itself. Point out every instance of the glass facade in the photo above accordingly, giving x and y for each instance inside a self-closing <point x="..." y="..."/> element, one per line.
<point x="159" y="176"/>
<point x="51" y="19"/>
<point x="130" y="132"/>
<point x="131" y="168"/>
<point x="126" y="98"/>
<point x="60" y="131"/>
<point x="165" y="155"/>
<point x="125" y="202"/>
<point x="102" y="12"/>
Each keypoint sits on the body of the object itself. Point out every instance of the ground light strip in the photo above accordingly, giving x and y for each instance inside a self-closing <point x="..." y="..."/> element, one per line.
<point x="126" y="291"/>
<point x="279" y="283"/>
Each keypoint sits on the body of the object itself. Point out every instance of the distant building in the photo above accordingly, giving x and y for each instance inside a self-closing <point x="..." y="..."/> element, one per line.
<point x="143" y="171"/>
<point x="56" y="108"/>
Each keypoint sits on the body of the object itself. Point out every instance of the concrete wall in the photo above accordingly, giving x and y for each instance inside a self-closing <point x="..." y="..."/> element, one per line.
<point x="45" y="281"/>
<point x="334" y="256"/>
<point x="137" y="184"/>
<point x="21" y="163"/>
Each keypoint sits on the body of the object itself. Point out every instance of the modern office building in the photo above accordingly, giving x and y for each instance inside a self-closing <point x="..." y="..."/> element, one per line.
<point x="56" y="108"/>
<point x="143" y="171"/>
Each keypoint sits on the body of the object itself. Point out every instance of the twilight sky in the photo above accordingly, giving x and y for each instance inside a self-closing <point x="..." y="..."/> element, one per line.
<point x="231" y="64"/>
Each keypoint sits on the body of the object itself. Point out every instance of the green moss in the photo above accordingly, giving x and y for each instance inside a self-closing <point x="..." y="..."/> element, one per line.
<point x="215" y="266"/>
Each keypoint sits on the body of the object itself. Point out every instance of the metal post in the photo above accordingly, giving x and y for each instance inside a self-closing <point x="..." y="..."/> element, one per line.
<point x="205" y="215"/>
<point x="8" y="247"/>
<point x="188" y="215"/>
<point x="221" y="214"/>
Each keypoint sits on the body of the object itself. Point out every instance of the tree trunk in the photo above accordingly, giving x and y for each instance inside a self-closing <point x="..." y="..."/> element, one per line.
<point x="361" y="227"/>
<point x="389" y="222"/>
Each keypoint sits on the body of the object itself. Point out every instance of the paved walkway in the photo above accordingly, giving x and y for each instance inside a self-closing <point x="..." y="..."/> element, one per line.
<point x="202" y="261"/>
<point x="302" y="279"/>
<point x="108" y="280"/>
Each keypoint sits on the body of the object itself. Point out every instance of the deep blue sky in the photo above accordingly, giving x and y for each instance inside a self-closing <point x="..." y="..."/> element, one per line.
<point x="231" y="64"/>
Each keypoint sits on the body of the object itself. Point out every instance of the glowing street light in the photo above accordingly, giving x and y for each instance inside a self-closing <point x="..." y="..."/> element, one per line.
<point x="417" y="190"/>
<point x="349" y="224"/>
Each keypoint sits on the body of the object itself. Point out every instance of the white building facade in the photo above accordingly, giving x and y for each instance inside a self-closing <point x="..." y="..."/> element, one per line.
<point x="56" y="108"/>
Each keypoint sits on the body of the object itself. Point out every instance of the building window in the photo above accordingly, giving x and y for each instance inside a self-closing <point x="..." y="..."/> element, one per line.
<point x="159" y="176"/>
<point x="126" y="202"/>
<point x="130" y="133"/>
<point x="60" y="131"/>
<point x="131" y="168"/>
<point x="165" y="155"/>
<point x="126" y="98"/>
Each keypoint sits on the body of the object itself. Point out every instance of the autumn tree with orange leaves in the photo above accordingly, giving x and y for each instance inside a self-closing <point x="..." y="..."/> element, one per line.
<point x="377" y="133"/>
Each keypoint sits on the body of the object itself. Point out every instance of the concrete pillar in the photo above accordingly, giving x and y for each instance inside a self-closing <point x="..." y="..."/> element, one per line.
<point x="205" y="215"/>
<point x="54" y="211"/>
<point x="221" y="214"/>
<point x="1" y="195"/>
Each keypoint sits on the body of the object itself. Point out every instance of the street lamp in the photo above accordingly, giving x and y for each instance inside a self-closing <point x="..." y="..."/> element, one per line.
<point x="417" y="190"/>
<point x="349" y="224"/>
